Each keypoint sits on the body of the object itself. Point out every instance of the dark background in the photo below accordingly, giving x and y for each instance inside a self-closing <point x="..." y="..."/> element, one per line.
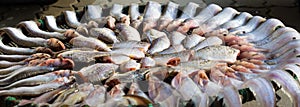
<point x="14" y="11"/>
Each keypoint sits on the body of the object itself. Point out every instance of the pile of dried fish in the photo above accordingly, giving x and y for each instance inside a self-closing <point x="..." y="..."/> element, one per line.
<point x="159" y="57"/>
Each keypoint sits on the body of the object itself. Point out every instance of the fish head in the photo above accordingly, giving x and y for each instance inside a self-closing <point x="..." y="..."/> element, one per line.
<point x="55" y="44"/>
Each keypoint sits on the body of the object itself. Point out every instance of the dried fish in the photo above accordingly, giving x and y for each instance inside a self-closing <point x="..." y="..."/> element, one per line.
<point x="128" y="33"/>
<point x="217" y="53"/>
<point x="168" y="15"/>
<point x="89" y="42"/>
<point x="250" y="26"/>
<point x="210" y="41"/>
<point x="104" y="34"/>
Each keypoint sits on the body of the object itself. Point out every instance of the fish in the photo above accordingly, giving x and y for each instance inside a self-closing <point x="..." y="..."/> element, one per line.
<point x="277" y="33"/>
<point x="173" y="49"/>
<point x="35" y="90"/>
<point x="135" y="15"/>
<point x="249" y="26"/>
<point x="39" y="79"/>
<point x="181" y="82"/>
<point x="210" y="41"/>
<point x="130" y="65"/>
<point x="176" y="37"/>
<point x="231" y="96"/>
<point x="174" y="58"/>
<point x="225" y="15"/>
<point x="81" y="55"/>
<point x="132" y="44"/>
<point x="238" y="21"/>
<point x="8" y="70"/>
<point x="188" y="12"/>
<point x="192" y="40"/>
<point x="97" y="72"/>
<point x="71" y="19"/>
<point x="95" y="97"/>
<point x="293" y="53"/>
<point x="83" y="91"/>
<point x="194" y="65"/>
<point x="147" y="62"/>
<point x="128" y="33"/>
<point x="159" y="45"/>
<point x="264" y="30"/>
<point x="35" y="31"/>
<point x="273" y="53"/>
<point x="116" y="59"/>
<point x="134" y="53"/>
<point x="151" y="15"/>
<point x="89" y="42"/>
<point x="104" y="34"/>
<point x="287" y="82"/>
<point x="216" y="53"/>
<point x="5" y="64"/>
<point x="162" y="93"/>
<point x="24" y="73"/>
<point x="200" y="18"/>
<point x="50" y="23"/>
<point x="91" y="12"/>
<point x="152" y="34"/>
<point x="265" y="97"/>
<point x="116" y="11"/>
<point x="169" y="14"/>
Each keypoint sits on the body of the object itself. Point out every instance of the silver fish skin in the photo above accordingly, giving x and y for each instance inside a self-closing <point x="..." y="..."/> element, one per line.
<point x="128" y="33"/>
<point x="194" y="65"/>
<point x="130" y="65"/>
<point x="89" y="42"/>
<point x="116" y="11"/>
<point x="152" y="34"/>
<point x="14" y="58"/>
<point x="275" y="36"/>
<point x="168" y="15"/>
<point x="264" y="92"/>
<point x="36" y="90"/>
<point x="102" y="69"/>
<point x="134" y="11"/>
<point x="136" y="90"/>
<point x="293" y="53"/>
<point x="189" y="10"/>
<point x="210" y="41"/>
<point x="176" y="37"/>
<point x="96" y="96"/>
<point x="134" y="53"/>
<point x="264" y="30"/>
<point x="10" y="69"/>
<point x="248" y="27"/>
<point x="135" y="16"/>
<point x="231" y="96"/>
<point x="71" y="19"/>
<point x="192" y="40"/>
<point x="151" y="15"/>
<point x="173" y="49"/>
<point x="24" y="73"/>
<point x="6" y="64"/>
<point x="116" y="59"/>
<point x="292" y="68"/>
<point x="35" y="31"/>
<point x="82" y="55"/>
<point x="207" y="13"/>
<point x="50" y="22"/>
<point x="39" y="79"/>
<point x="216" y="53"/>
<point x="147" y="62"/>
<point x="132" y="44"/>
<point x="181" y="82"/>
<point x="162" y="93"/>
<point x="159" y="45"/>
<point x="91" y="12"/>
<point x="182" y="56"/>
<point x="287" y="82"/>
<point x="283" y="49"/>
<point x="213" y="23"/>
<point x="238" y="21"/>
<point x="104" y="34"/>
